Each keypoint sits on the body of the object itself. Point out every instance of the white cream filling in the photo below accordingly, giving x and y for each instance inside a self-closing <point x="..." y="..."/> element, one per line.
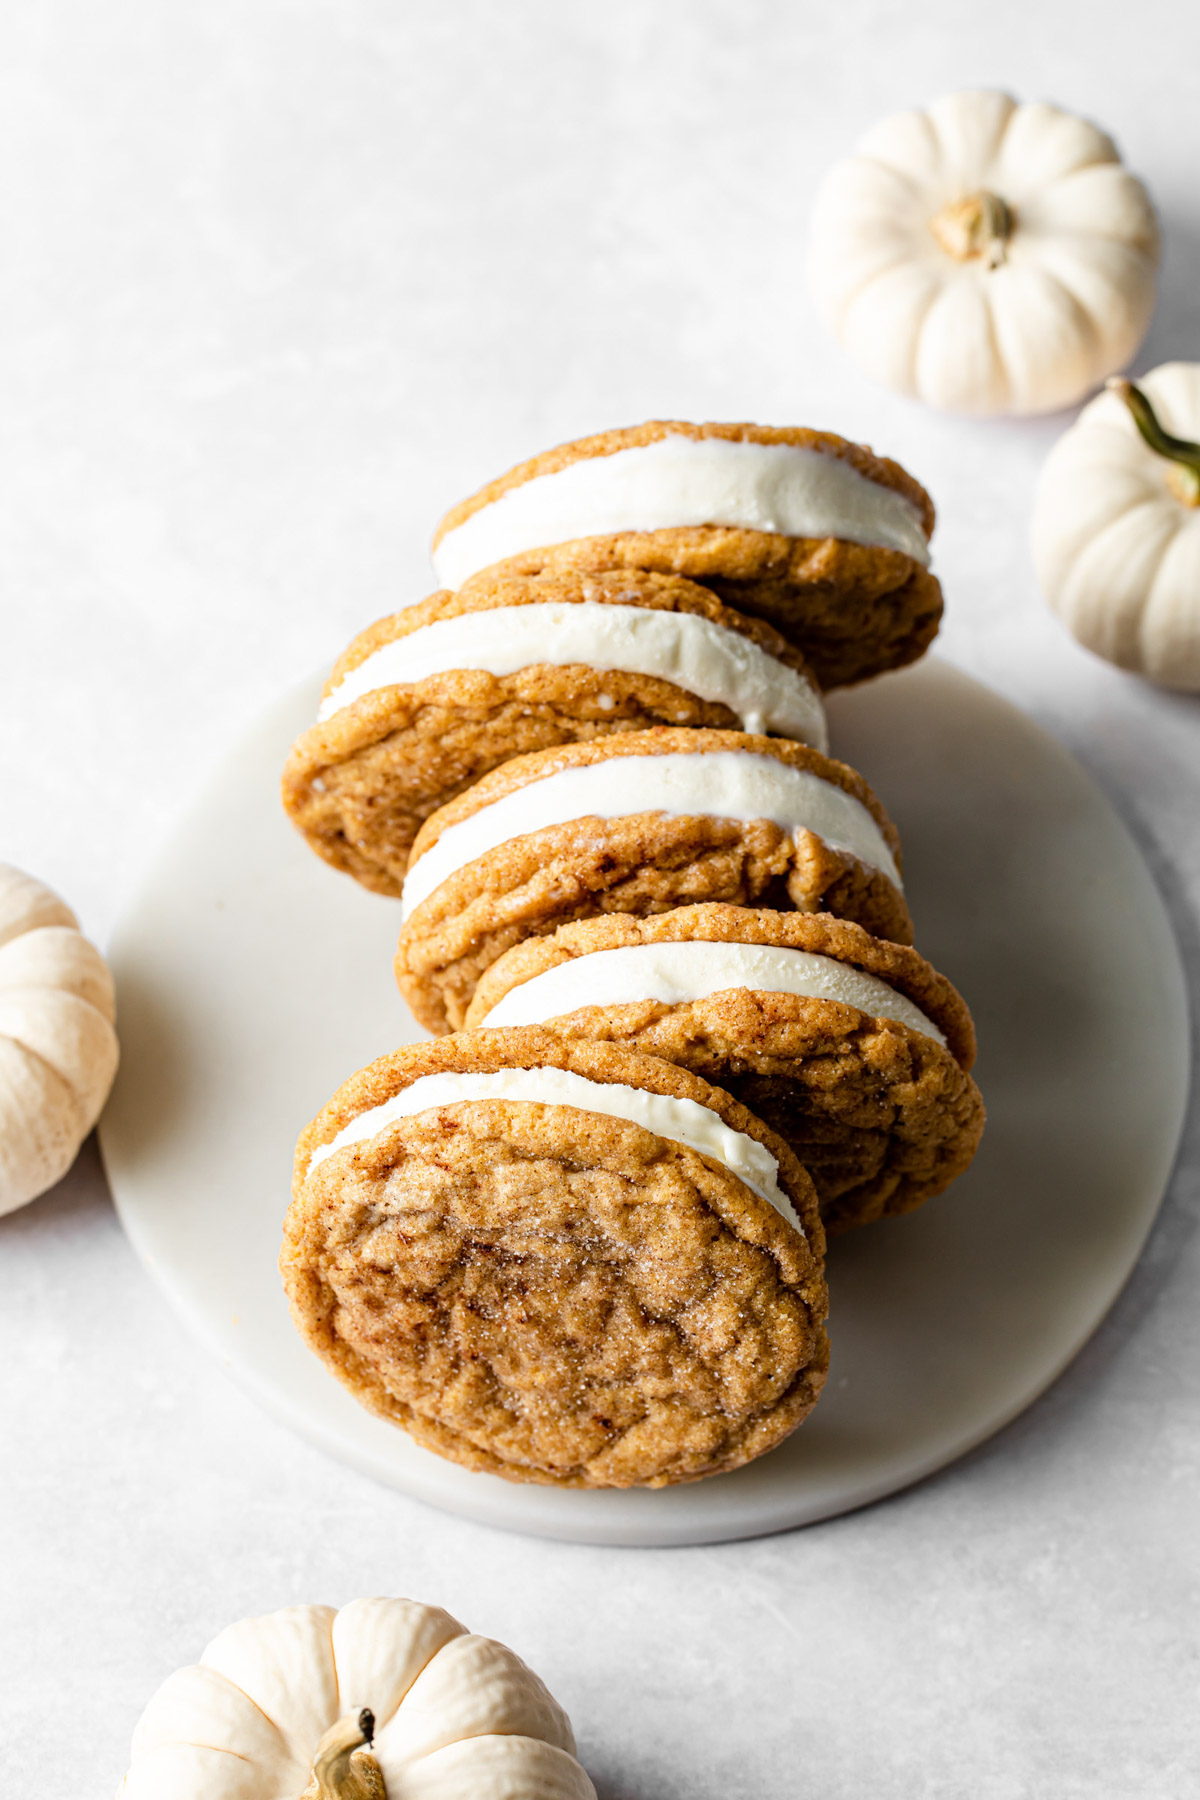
<point x="704" y="658"/>
<point x="680" y="481"/>
<point x="680" y="972"/>
<point x="725" y="784"/>
<point x="682" y="1121"/>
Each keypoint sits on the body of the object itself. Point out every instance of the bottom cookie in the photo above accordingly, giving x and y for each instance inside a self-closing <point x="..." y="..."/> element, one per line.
<point x="559" y="1262"/>
<point x="855" y="1050"/>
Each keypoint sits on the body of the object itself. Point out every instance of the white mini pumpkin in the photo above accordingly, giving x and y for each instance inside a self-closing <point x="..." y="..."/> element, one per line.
<point x="274" y="1710"/>
<point x="1116" y="526"/>
<point x="985" y="256"/>
<point x="58" y="1049"/>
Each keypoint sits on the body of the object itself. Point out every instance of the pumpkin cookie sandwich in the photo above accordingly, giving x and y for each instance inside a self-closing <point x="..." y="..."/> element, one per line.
<point x="637" y="823"/>
<point x="427" y="701"/>
<point x="558" y="1262"/>
<point x="820" y="536"/>
<point x="855" y="1051"/>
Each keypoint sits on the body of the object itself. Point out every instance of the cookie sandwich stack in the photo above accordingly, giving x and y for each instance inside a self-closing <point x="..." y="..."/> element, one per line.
<point x="662" y="937"/>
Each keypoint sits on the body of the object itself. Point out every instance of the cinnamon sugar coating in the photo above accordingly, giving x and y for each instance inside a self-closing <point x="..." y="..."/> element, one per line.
<point x="554" y="1295"/>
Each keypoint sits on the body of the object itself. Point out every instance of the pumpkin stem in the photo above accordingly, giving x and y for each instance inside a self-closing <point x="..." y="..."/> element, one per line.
<point x="1183" y="477"/>
<point x="979" y="226"/>
<point x="342" y="1768"/>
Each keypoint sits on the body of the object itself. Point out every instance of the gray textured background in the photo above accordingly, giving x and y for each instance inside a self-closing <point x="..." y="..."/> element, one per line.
<point x="281" y="281"/>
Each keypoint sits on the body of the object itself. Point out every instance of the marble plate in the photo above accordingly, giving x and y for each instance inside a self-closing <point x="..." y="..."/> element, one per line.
<point x="252" y="980"/>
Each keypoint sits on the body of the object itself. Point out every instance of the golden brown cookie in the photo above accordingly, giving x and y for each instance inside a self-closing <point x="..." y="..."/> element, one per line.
<point x="425" y="702"/>
<point x="557" y="1262"/>
<point x="865" y="1074"/>
<point x="637" y="823"/>
<point x="820" y="536"/>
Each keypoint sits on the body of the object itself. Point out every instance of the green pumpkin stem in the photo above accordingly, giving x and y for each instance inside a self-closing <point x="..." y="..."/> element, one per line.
<point x="1180" y="452"/>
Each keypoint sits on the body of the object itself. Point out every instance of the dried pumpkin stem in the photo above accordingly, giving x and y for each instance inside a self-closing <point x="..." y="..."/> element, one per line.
<point x="979" y="226"/>
<point x="343" y="1769"/>
<point x="1183" y="477"/>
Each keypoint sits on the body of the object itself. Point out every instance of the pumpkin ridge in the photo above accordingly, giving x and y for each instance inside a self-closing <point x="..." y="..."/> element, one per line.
<point x="56" y="1075"/>
<point x="847" y="299"/>
<point x="49" y="987"/>
<point x="381" y="1723"/>
<point x="997" y="346"/>
<point x="1091" y="162"/>
<point x="1086" y="317"/>
<point x="894" y="173"/>
<point x="81" y="967"/>
<point x="1152" y="504"/>
<point x="217" y="1749"/>
<point x="260" y="1710"/>
<point x="246" y="1695"/>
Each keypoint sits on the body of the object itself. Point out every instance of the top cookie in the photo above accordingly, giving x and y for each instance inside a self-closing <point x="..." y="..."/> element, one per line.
<point x="827" y="540"/>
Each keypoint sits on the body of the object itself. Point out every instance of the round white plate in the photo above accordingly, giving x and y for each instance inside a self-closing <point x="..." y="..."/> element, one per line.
<point x="253" y="980"/>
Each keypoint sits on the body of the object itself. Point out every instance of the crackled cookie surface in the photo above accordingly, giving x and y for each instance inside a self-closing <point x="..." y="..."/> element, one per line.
<point x="816" y="534"/>
<point x="855" y="1050"/>
<point x="557" y="1262"/>
<point x="425" y="702"/>
<point x="637" y="823"/>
